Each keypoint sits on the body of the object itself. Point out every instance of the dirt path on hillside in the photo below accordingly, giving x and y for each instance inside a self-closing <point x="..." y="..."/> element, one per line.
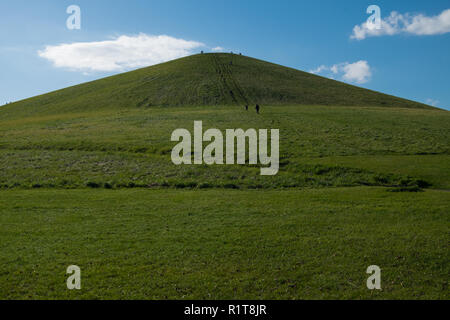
<point x="229" y="86"/>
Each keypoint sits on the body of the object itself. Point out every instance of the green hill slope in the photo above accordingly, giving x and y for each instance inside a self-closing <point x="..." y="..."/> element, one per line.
<point x="204" y="80"/>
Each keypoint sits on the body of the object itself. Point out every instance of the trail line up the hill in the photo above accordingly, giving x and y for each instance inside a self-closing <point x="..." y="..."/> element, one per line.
<point x="222" y="84"/>
<point x="229" y="85"/>
<point x="240" y="91"/>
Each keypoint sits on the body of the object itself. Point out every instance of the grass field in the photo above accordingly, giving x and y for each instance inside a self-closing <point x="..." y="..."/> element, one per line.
<point x="86" y="178"/>
<point x="150" y="240"/>
<point x="213" y="244"/>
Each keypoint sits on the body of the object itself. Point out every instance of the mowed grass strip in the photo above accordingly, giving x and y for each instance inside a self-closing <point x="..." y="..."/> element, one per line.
<point x="215" y="244"/>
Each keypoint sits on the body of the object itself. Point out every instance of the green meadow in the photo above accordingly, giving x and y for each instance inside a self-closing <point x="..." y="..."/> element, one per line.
<point x="215" y="244"/>
<point x="86" y="179"/>
<point x="319" y="147"/>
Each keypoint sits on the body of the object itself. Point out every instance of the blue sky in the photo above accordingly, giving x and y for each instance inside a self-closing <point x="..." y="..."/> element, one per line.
<point x="408" y="57"/>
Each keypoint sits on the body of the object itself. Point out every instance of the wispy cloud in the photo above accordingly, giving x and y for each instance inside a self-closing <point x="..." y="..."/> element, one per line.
<point x="319" y="69"/>
<point x="357" y="72"/>
<point x="218" y="49"/>
<point x="397" y="23"/>
<point x="120" y="54"/>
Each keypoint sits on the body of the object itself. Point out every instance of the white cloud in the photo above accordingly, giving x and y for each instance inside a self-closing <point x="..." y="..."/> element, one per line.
<point x="335" y="68"/>
<point x="357" y="72"/>
<point x="319" y="69"/>
<point x="432" y="102"/>
<point x="423" y="25"/>
<point x="120" y="54"/>
<point x="397" y="23"/>
<point x="217" y="49"/>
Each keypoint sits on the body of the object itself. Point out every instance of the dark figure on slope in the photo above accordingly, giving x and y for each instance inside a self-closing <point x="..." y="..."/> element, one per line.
<point x="246" y="108"/>
<point x="257" y="108"/>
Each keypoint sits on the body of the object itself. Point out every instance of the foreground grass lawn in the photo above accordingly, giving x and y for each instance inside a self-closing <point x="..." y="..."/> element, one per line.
<point x="224" y="244"/>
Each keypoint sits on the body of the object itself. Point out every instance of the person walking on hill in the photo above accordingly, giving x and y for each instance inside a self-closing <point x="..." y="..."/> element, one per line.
<point x="257" y="108"/>
<point x="246" y="107"/>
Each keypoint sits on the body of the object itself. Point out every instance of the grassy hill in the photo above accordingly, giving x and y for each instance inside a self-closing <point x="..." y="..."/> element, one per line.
<point x="205" y="80"/>
<point x="86" y="178"/>
<point x="115" y="132"/>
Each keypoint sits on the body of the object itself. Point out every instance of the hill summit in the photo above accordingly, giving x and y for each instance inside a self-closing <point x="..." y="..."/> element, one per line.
<point x="208" y="80"/>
